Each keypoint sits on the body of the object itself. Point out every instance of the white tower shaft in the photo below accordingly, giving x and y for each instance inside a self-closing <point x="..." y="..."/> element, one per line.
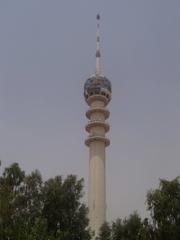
<point x="97" y="127"/>
<point x="97" y="191"/>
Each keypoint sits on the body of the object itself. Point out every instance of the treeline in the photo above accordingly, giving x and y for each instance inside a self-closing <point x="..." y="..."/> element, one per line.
<point x="164" y="222"/>
<point x="33" y="209"/>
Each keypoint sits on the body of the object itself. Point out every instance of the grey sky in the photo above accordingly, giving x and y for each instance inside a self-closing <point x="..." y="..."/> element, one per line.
<point x="46" y="53"/>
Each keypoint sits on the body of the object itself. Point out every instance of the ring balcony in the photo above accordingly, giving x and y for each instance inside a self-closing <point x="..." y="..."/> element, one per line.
<point x="95" y="123"/>
<point x="92" y="110"/>
<point x="97" y="138"/>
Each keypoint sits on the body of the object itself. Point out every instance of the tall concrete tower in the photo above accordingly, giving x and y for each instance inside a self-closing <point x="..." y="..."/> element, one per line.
<point x="97" y="93"/>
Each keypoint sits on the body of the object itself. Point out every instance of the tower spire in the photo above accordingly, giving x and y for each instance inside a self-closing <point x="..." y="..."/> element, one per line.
<point x="98" y="53"/>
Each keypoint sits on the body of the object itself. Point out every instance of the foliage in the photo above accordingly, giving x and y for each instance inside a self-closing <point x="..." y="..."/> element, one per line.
<point x="64" y="213"/>
<point x="146" y="231"/>
<point x="164" y="205"/>
<point x="164" y="224"/>
<point x="105" y="232"/>
<point x="127" y="229"/>
<point x="31" y="209"/>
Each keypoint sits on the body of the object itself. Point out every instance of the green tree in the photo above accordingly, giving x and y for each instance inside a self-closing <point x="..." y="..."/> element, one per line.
<point x="117" y="230"/>
<point x="65" y="214"/>
<point x="105" y="232"/>
<point x="146" y="231"/>
<point x="164" y="206"/>
<point x="11" y="189"/>
<point x="31" y="209"/>
<point x="132" y="226"/>
<point x="127" y="229"/>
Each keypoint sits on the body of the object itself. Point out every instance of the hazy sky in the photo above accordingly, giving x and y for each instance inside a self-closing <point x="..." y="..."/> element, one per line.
<point x="47" y="52"/>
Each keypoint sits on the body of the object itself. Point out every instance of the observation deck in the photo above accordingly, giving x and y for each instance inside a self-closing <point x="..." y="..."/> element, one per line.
<point x="97" y="93"/>
<point x="97" y="88"/>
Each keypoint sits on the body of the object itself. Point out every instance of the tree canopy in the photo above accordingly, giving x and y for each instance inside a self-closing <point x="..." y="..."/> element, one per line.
<point x="164" y="206"/>
<point x="163" y="224"/>
<point x="31" y="209"/>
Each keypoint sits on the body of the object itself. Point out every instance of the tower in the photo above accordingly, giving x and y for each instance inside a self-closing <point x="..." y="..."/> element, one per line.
<point x="97" y="93"/>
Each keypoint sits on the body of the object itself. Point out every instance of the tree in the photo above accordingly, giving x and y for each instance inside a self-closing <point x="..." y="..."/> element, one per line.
<point x="65" y="214"/>
<point x="31" y="209"/>
<point x="126" y="229"/>
<point x="105" y="232"/>
<point x="164" y="206"/>
<point x="117" y="230"/>
<point x="164" y="223"/>
<point x="132" y="226"/>
<point x="10" y="191"/>
<point x="146" y="231"/>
